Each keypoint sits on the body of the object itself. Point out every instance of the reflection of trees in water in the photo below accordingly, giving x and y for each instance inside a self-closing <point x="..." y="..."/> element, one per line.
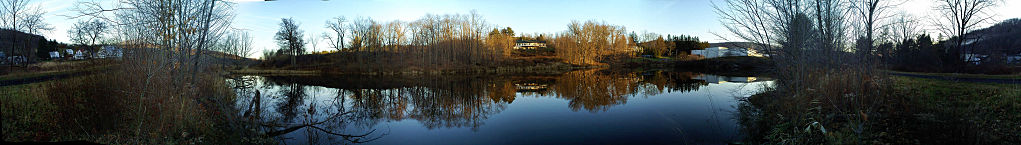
<point x="439" y="102"/>
<point x="297" y="109"/>
<point x="461" y="103"/>
<point x="592" y="91"/>
<point x="596" y="90"/>
<point x="293" y="95"/>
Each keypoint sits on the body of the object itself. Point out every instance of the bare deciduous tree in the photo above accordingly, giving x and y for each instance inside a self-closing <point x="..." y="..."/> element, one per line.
<point x="314" y="42"/>
<point x="748" y="20"/>
<point x="868" y="14"/>
<point x="903" y="26"/>
<point x="238" y="43"/>
<point x="584" y="43"/>
<point x="166" y="40"/>
<point x="33" y="22"/>
<point x="958" y="17"/>
<point x="338" y="30"/>
<point x="88" y="32"/>
<point x="12" y="11"/>
<point x="19" y="16"/>
<point x="291" y="38"/>
<point x="806" y="41"/>
<point x="831" y="24"/>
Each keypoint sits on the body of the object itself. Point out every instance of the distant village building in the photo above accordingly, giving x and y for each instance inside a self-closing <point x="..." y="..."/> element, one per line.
<point x="109" y="52"/>
<point x="974" y="58"/>
<point x="529" y="44"/>
<point x="997" y="44"/>
<point x="714" y="52"/>
<point x="54" y="54"/>
<point x="79" y="55"/>
<point x="1016" y="58"/>
<point x="715" y="79"/>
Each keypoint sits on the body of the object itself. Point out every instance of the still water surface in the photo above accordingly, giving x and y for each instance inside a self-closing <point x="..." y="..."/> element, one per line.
<point x="580" y="107"/>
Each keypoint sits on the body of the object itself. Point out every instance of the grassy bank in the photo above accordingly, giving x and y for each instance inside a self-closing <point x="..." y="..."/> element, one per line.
<point x="519" y="65"/>
<point x="729" y="66"/>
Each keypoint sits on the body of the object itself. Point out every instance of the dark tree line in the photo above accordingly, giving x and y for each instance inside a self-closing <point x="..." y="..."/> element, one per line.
<point x="992" y="50"/>
<point x="671" y="46"/>
<point x="451" y="41"/>
<point x="918" y="54"/>
<point x="291" y="39"/>
<point x="684" y="44"/>
<point x="432" y="41"/>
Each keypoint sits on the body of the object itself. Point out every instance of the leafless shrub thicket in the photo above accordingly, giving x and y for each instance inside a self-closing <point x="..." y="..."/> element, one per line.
<point x="164" y="69"/>
<point x="432" y="41"/>
<point x="823" y="85"/>
<point x="826" y="83"/>
<point x="450" y="41"/>
<point x="585" y="43"/>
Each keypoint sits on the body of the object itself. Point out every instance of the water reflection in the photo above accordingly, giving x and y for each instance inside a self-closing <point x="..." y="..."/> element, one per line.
<point x="350" y="109"/>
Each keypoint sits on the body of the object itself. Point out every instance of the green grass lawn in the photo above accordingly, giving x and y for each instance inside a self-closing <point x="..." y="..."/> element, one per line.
<point x="980" y="112"/>
<point x="27" y="114"/>
<point x="959" y="75"/>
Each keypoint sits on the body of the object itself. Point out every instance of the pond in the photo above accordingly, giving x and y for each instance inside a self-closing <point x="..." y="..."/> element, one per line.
<point x="579" y="107"/>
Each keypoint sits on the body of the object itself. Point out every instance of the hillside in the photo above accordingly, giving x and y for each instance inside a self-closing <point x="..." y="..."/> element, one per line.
<point x="17" y="43"/>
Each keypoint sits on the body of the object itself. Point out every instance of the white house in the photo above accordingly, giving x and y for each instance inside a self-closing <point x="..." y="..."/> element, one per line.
<point x="715" y="79"/>
<point x="79" y="55"/>
<point x="1014" y="58"/>
<point x="54" y="54"/>
<point x="714" y="52"/>
<point x="974" y="58"/>
<point x="109" y="52"/>
<point x="529" y="44"/>
<point x="711" y="52"/>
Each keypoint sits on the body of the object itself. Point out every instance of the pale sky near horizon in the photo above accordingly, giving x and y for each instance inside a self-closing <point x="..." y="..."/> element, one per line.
<point x="688" y="17"/>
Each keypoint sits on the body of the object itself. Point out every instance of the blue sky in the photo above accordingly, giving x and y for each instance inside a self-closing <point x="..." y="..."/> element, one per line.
<point x="689" y="17"/>
<point x="532" y="16"/>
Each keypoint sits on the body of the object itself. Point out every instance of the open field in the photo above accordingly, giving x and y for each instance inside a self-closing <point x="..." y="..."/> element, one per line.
<point x="53" y="68"/>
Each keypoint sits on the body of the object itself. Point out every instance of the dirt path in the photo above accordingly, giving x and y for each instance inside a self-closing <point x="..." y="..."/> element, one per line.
<point x="960" y="79"/>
